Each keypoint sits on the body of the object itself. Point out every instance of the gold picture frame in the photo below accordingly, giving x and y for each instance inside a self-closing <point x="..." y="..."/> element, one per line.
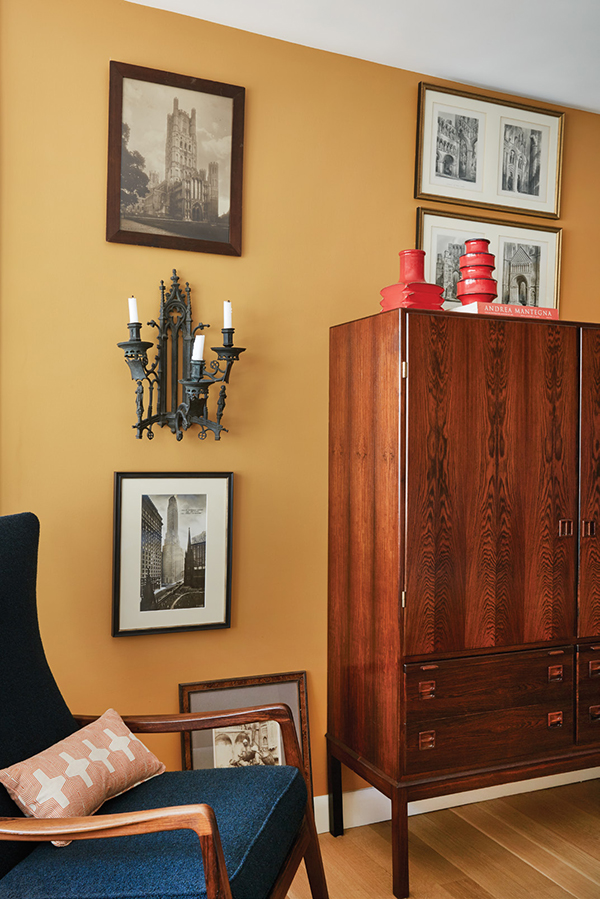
<point x="475" y="150"/>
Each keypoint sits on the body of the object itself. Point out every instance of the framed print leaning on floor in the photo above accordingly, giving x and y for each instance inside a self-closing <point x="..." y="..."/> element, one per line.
<point x="527" y="257"/>
<point x="172" y="552"/>
<point x="478" y="151"/>
<point x="253" y="744"/>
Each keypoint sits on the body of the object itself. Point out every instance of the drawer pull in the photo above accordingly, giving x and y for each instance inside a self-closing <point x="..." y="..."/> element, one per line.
<point x="565" y="527"/>
<point x="588" y="528"/>
<point x="427" y="689"/>
<point x="555" y="674"/>
<point x="594" y="669"/>
<point x="555" y="719"/>
<point x="429" y="667"/>
<point x="427" y="739"/>
<point x="594" y="712"/>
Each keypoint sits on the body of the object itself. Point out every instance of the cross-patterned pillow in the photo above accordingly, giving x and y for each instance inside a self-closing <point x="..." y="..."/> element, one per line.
<point x="76" y="776"/>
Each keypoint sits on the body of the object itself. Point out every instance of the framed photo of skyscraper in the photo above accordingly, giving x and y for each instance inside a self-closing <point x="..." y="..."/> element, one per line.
<point x="527" y="257"/>
<point x="477" y="150"/>
<point x="175" y="147"/>
<point x="171" y="552"/>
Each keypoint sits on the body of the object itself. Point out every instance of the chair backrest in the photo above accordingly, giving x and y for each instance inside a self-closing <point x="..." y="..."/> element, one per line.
<point x="33" y="714"/>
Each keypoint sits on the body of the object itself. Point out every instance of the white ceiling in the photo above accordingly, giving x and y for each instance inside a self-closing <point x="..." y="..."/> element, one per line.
<point x="542" y="49"/>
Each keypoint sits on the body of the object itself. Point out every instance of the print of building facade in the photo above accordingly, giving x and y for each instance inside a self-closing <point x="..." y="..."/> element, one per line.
<point x="521" y="160"/>
<point x="187" y="193"/>
<point x="521" y="275"/>
<point x="456" y="147"/>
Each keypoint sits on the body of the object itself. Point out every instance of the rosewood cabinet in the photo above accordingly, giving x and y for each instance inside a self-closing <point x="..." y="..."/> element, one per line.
<point x="464" y="555"/>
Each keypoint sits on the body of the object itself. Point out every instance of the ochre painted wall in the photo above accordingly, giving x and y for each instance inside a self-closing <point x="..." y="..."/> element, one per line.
<point x="328" y="203"/>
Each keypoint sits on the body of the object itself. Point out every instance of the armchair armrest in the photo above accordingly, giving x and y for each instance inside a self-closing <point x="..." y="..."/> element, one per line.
<point x="181" y="722"/>
<point x="199" y="818"/>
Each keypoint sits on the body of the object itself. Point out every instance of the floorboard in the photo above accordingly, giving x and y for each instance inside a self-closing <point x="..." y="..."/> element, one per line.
<point x="542" y="845"/>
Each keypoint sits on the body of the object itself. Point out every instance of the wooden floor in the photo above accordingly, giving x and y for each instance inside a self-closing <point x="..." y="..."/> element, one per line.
<point x="542" y="845"/>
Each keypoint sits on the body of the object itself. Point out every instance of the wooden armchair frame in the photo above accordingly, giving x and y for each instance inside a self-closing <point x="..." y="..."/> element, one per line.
<point x="199" y="818"/>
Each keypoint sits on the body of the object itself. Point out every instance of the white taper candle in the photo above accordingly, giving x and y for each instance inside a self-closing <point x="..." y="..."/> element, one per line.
<point x="198" y="348"/>
<point x="133" y="312"/>
<point x="227" y="314"/>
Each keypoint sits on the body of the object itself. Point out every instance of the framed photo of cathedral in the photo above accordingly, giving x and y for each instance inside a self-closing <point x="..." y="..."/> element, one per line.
<point x="527" y="258"/>
<point x="171" y="552"/>
<point x="175" y="147"/>
<point x="475" y="150"/>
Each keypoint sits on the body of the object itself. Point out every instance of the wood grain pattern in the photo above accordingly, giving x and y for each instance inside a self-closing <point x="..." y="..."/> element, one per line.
<point x="589" y="579"/>
<point x="529" y="846"/>
<point x="364" y="539"/>
<point x="492" y="467"/>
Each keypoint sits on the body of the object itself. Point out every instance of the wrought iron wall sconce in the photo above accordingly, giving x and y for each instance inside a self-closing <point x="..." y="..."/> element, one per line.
<point x="179" y="352"/>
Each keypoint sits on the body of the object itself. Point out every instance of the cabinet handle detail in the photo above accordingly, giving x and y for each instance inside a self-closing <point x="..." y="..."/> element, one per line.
<point x="555" y="674"/>
<point x="588" y="528"/>
<point x="594" y="669"/>
<point x="555" y="719"/>
<point x="427" y="689"/>
<point x="427" y="739"/>
<point x="594" y="713"/>
<point x="565" y="527"/>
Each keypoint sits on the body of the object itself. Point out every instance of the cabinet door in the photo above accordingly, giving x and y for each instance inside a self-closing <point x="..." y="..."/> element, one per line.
<point x="589" y="577"/>
<point x="491" y="482"/>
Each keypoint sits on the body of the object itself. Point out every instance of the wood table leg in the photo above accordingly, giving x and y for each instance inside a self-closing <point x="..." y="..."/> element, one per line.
<point x="400" y="843"/>
<point x="334" y="779"/>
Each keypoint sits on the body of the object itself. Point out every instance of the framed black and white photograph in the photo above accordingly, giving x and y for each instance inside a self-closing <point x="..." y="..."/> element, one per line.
<point x="172" y="552"/>
<point x="175" y="151"/>
<point x="252" y="744"/>
<point x="527" y="258"/>
<point x="477" y="151"/>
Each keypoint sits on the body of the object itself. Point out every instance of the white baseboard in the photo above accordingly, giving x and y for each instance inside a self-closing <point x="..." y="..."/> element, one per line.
<point x="369" y="806"/>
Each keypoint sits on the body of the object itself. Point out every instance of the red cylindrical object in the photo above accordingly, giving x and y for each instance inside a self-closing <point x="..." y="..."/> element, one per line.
<point x="477" y="245"/>
<point x="412" y="266"/>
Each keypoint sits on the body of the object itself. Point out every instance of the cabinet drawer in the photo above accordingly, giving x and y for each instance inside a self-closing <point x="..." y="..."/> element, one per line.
<point x="474" y="741"/>
<point x="509" y="680"/>
<point x="588" y="694"/>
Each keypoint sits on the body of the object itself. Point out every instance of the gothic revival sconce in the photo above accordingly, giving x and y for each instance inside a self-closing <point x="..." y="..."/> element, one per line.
<point x="179" y="360"/>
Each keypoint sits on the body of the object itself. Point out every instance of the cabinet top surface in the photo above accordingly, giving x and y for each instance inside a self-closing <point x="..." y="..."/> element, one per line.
<point x="471" y="317"/>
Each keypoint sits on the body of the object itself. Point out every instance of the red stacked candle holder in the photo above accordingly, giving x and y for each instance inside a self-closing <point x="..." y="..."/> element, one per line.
<point x="476" y="266"/>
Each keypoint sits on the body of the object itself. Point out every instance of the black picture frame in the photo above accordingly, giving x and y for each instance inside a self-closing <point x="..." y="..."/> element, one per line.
<point x="197" y="748"/>
<point x="170" y="575"/>
<point x="168" y="193"/>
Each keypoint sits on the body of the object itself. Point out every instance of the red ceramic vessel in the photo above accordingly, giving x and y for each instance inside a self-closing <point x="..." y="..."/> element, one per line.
<point x="412" y="291"/>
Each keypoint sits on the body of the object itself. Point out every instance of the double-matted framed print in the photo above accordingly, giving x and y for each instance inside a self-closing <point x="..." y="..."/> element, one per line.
<point x="172" y="552"/>
<point x="527" y="257"/>
<point x="175" y="147"/>
<point x="478" y="151"/>
<point x="250" y="744"/>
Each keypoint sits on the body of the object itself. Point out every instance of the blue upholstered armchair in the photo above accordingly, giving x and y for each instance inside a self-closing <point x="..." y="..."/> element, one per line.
<point x="218" y="834"/>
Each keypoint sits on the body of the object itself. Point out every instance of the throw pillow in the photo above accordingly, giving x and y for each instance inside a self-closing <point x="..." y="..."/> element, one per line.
<point x="76" y="776"/>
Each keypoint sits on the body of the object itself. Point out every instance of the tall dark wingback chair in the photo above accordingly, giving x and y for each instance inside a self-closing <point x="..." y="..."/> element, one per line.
<point x="33" y="714"/>
<point x="219" y="834"/>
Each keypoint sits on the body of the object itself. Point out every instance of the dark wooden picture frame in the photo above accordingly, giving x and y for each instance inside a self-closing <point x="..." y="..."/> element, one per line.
<point x="172" y="552"/>
<point x="243" y="692"/>
<point x="174" y="192"/>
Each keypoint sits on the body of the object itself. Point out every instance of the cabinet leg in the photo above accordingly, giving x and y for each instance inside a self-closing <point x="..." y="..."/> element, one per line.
<point x="400" y="843"/>
<point x="334" y="778"/>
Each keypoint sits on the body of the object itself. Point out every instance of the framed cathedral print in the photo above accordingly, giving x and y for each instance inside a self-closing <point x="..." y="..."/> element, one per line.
<point x="175" y="146"/>
<point x="171" y="552"/>
<point x="527" y="257"/>
<point x="478" y="151"/>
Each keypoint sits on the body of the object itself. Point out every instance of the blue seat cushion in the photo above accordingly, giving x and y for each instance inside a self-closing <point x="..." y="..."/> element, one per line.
<point x="258" y="809"/>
